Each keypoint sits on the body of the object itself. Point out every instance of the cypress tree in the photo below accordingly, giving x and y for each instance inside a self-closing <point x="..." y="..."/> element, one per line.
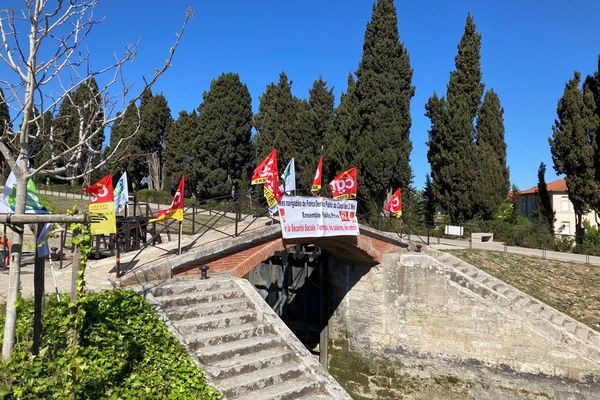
<point x="283" y="122"/>
<point x="430" y="205"/>
<point x="591" y="96"/>
<point x="384" y="89"/>
<point x="129" y="157"/>
<point x="223" y="145"/>
<point x="543" y="214"/>
<point x="492" y="181"/>
<point x="321" y="108"/>
<point x="451" y="147"/>
<point x="81" y="109"/>
<point x="573" y="146"/>
<point x="340" y="140"/>
<point x="180" y="152"/>
<point x="154" y="126"/>
<point x="4" y="115"/>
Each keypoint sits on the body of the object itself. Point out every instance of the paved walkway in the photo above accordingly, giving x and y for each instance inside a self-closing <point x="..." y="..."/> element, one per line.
<point x="101" y="274"/>
<point x="452" y="244"/>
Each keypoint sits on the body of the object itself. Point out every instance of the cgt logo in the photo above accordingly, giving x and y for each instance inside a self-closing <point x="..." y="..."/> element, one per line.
<point x="344" y="185"/>
<point x="103" y="193"/>
<point x="347" y="216"/>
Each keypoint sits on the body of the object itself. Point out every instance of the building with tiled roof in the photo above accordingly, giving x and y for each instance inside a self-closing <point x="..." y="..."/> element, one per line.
<point x="562" y="206"/>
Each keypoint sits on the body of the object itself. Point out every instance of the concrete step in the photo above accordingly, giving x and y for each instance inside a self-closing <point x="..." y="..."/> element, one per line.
<point x="249" y="363"/>
<point x="212" y="354"/>
<point x="259" y="379"/>
<point x="198" y="297"/>
<point x="215" y="321"/>
<point x="316" y="397"/>
<point x="229" y="334"/>
<point x="204" y="309"/>
<point x="190" y="286"/>
<point x="289" y="390"/>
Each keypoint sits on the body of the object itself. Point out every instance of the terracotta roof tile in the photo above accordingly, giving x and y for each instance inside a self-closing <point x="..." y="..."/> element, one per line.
<point x="559" y="185"/>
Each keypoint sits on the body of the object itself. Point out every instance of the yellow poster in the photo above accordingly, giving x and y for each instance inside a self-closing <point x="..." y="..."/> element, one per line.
<point x="102" y="218"/>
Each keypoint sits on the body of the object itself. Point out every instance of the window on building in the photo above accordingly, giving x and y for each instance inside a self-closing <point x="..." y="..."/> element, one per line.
<point x="564" y="203"/>
<point x="565" y="228"/>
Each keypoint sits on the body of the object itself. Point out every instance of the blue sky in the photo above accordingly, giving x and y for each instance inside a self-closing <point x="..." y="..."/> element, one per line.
<point x="529" y="50"/>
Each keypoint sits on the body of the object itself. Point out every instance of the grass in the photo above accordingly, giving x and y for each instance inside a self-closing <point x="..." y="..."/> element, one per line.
<point x="60" y="205"/>
<point x="570" y="287"/>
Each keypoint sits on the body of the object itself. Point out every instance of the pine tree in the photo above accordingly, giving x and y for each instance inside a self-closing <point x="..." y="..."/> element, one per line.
<point x="180" y="152"/>
<point x="223" y="146"/>
<point x="573" y="146"/>
<point x="451" y="147"/>
<point x="492" y="180"/>
<point x="155" y="121"/>
<point x="384" y="89"/>
<point x="543" y="214"/>
<point x="430" y="205"/>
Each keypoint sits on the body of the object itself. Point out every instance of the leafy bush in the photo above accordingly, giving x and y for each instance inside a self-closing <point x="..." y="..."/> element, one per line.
<point x="125" y="352"/>
<point x="152" y="196"/>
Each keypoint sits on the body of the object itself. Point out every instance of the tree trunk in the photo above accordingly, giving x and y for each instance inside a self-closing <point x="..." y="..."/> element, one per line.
<point x="14" y="276"/>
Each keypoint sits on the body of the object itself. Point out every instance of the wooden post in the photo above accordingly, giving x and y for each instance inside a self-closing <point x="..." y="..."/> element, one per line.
<point x="194" y="217"/>
<point x="179" y="238"/>
<point x="73" y="294"/>
<point x="38" y="295"/>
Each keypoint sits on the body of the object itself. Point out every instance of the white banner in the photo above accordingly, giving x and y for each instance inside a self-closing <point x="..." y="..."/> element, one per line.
<point x="302" y="217"/>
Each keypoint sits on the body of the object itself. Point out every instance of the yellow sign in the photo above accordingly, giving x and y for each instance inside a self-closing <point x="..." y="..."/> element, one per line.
<point x="102" y="218"/>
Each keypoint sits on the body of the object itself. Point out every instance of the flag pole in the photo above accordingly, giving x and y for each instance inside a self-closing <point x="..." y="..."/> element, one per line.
<point x="179" y="237"/>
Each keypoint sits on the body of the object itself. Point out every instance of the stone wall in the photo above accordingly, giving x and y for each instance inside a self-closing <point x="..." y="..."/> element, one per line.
<point x="414" y="327"/>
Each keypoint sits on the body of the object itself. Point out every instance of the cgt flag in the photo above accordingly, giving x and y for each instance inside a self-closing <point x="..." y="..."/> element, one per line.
<point x="394" y="206"/>
<point x="102" y="207"/>
<point x="175" y="210"/>
<point x="262" y="173"/>
<point x="316" y="185"/>
<point x="344" y="186"/>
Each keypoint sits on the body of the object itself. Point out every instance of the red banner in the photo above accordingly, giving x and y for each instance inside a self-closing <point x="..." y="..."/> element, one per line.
<point x="344" y="186"/>
<point x="394" y="206"/>
<point x="101" y="191"/>
<point x="265" y="169"/>
<point x="316" y="185"/>
<point x="175" y="210"/>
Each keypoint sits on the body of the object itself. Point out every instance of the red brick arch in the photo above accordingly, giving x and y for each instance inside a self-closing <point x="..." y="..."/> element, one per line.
<point x="361" y="248"/>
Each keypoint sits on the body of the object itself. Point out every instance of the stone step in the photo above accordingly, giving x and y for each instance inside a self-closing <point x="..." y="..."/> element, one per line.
<point x="248" y="363"/>
<point x="228" y="334"/>
<point x="259" y="379"/>
<point x="316" y="397"/>
<point x="198" y="297"/>
<point x="212" y="354"/>
<point x="199" y="310"/>
<point x="215" y="321"/>
<point x="289" y="390"/>
<point x="191" y="286"/>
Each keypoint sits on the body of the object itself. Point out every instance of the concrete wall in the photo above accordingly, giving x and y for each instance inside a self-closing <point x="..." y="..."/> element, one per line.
<point x="417" y="327"/>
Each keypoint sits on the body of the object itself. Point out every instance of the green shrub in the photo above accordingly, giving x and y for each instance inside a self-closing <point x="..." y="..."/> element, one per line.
<point x="125" y="352"/>
<point x="152" y="196"/>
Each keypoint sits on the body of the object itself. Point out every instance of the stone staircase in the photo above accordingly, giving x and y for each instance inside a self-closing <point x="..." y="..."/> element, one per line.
<point x="247" y="352"/>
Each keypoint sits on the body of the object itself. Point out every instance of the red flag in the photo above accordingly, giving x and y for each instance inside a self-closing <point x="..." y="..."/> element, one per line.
<point x="265" y="169"/>
<point x="316" y="185"/>
<point x="101" y="191"/>
<point x="394" y="206"/>
<point x="102" y="207"/>
<point x="175" y="210"/>
<point x="344" y="186"/>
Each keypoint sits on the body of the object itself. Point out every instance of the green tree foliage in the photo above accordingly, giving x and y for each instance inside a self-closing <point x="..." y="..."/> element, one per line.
<point x="543" y="214"/>
<point x="125" y="352"/>
<point x="155" y="121"/>
<point x="180" y="151"/>
<point x="321" y="108"/>
<point x="80" y="114"/>
<point x="222" y="147"/>
<point x="340" y="140"/>
<point x="384" y="89"/>
<point x="4" y="115"/>
<point x="591" y="96"/>
<point x="283" y="122"/>
<point x="429" y="202"/>
<point x="492" y="181"/>
<point x="451" y="147"/>
<point x="128" y="157"/>
<point x="573" y="145"/>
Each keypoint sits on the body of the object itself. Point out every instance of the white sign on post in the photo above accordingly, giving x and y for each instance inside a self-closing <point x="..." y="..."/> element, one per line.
<point x="303" y="217"/>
